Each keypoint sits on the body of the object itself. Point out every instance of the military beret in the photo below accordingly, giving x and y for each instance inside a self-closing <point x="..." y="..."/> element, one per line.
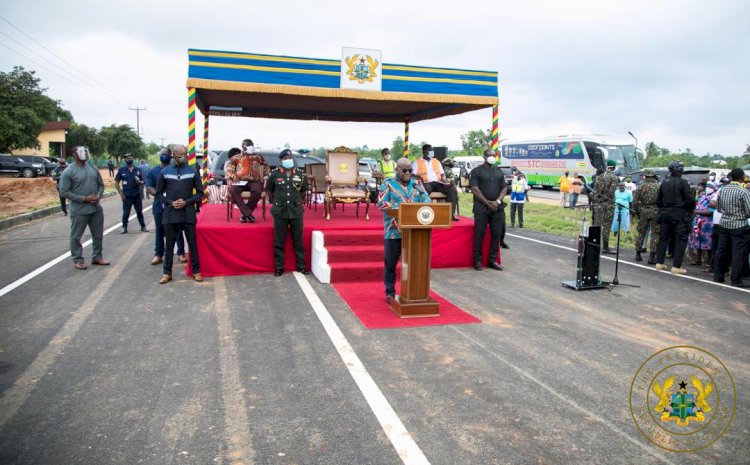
<point x="611" y="163"/>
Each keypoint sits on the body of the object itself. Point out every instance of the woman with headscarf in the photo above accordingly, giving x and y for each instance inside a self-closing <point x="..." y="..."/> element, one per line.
<point x="699" y="241"/>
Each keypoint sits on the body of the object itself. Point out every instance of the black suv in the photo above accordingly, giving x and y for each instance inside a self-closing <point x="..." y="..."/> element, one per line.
<point x="18" y="167"/>
<point x="46" y="164"/>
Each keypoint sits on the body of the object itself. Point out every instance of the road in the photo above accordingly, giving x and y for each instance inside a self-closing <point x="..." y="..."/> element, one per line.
<point x="107" y="366"/>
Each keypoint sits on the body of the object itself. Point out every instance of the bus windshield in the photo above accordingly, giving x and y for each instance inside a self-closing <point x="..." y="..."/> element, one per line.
<point x="624" y="155"/>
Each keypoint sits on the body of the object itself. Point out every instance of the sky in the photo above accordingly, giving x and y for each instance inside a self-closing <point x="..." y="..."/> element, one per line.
<point x="672" y="72"/>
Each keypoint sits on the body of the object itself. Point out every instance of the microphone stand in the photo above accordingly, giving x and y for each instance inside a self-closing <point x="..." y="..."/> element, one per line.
<point x="620" y="208"/>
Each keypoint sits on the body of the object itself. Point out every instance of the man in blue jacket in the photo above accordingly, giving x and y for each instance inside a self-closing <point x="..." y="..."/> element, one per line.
<point x="179" y="187"/>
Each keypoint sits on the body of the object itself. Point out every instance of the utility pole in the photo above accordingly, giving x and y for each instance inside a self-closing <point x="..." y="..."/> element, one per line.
<point x="162" y="141"/>
<point x="138" y="111"/>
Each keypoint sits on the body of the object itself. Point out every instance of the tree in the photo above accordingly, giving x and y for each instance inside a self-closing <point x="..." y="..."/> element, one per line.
<point x="122" y="140"/>
<point x="476" y="142"/>
<point x="397" y="149"/>
<point x="24" y="110"/>
<point x="80" y="134"/>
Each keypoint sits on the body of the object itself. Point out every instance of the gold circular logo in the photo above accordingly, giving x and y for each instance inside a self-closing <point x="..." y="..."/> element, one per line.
<point x="425" y="215"/>
<point x="682" y="399"/>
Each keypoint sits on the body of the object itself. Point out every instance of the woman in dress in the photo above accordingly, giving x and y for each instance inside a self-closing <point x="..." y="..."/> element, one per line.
<point x="699" y="241"/>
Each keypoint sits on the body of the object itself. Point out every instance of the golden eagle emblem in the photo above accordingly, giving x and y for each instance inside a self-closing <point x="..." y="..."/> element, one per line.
<point x="682" y="405"/>
<point x="361" y="69"/>
<point x="343" y="167"/>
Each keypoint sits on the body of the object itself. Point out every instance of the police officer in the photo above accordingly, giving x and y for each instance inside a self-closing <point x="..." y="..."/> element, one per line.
<point x="487" y="183"/>
<point x="606" y="185"/>
<point x="676" y="201"/>
<point x="286" y="187"/>
<point x="179" y="187"/>
<point x="130" y="192"/>
<point x="645" y="208"/>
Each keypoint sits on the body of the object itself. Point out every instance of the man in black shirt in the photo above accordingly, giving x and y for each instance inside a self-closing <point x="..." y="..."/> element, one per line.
<point x="488" y="186"/>
<point x="675" y="201"/>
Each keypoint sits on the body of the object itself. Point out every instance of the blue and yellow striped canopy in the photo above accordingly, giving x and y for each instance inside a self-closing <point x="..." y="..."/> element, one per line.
<point x="271" y="86"/>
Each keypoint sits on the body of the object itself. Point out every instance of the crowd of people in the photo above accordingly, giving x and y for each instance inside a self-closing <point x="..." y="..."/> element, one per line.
<point x="710" y="222"/>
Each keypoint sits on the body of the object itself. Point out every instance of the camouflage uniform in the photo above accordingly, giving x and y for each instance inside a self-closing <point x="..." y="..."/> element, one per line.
<point x="606" y="185"/>
<point x="645" y="208"/>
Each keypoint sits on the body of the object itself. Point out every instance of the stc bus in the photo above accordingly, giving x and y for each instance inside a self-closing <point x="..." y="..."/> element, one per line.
<point x="545" y="160"/>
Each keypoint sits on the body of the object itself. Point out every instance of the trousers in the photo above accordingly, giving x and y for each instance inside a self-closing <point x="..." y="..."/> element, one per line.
<point x="78" y="224"/>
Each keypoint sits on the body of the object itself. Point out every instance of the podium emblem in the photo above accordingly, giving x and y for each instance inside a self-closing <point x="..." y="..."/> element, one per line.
<point x="425" y="215"/>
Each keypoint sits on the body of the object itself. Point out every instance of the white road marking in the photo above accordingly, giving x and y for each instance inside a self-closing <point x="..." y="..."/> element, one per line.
<point x="236" y="432"/>
<point x="15" y="396"/>
<point x="595" y="416"/>
<point x="402" y="441"/>
<point x="625" y="262"/>
<point x="50" y="264"/>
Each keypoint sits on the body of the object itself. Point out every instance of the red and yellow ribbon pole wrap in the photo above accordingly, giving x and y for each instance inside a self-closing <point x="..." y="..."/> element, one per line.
<point x="191" y="126"/>
<point x="406" y="137"/>
<point x="495" y="133"/>
<point x="204" y="173"/>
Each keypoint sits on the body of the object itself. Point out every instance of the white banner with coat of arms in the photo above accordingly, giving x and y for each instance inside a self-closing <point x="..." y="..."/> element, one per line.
<point x="361" y="69"/>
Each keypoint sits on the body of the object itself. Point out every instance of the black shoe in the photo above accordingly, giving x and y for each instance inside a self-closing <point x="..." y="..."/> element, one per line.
<point x="638" y="257"/>
<point x="124" y="231"/>
<point x="495" y="266"/>
<point x="243" y="220"/>
<point x="609" y="251"/>
<point x="504" y="246"/>
<point x="143" y="229"/>
<point x="478" y="266"/>
<point x="389" y="298"/>
<point x="303" y="271"/>
<point x="251" y="219"/>
<point x="520" y="225"/>
<point x="741" y="284"/>
<point x="455" y="218"/>
<point x="278" y="272"/>
<point x="652" y="258"/>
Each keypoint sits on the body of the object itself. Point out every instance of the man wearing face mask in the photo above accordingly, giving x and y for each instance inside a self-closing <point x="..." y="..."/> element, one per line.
<point x="179" y="187"/>
<point x="130" y="192"/>
<point x="165" y="157"/>
<point x="82" y="184"/>
<point x="286" y="189"/>
<point x="430" y="171"/>
<point x="245" y="172"/>
<point x="488" y="185"/>
<point x="393" y="192"/>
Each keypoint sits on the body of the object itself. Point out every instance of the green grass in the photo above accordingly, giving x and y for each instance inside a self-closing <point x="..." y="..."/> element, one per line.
<point x="551" y="219"/>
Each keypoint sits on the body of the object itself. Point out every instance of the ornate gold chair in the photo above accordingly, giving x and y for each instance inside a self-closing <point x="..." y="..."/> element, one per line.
<point x="343" y="180"/>
<point x="316" y="179"/>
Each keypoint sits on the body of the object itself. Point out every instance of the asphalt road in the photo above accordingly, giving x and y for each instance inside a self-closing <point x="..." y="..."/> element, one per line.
<point x="107" y="366"/>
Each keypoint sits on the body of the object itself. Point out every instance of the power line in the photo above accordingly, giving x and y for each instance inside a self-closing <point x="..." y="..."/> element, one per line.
<point x="127" y="99"/>
<point x="138" y="111"/>
<point x="92" y="90"/>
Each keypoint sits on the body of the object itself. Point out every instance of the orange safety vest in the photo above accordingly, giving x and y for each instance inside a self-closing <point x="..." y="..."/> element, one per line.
<point x="437" y="167"/>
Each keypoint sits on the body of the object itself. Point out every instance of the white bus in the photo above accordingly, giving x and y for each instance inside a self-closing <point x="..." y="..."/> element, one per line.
<point x="545" y="160"/>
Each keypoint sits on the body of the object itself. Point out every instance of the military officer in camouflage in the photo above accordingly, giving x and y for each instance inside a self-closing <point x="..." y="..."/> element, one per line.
<point x="645" y="208"/>
<point x="286" y="187"/>
<point x="606" y="185"/>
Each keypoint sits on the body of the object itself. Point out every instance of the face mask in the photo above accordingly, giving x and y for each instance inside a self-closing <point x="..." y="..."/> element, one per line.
<point x="387" y="157"/>
<point x="179" y="160"/>
<point x="165" y="159"/>
<point x="431" y="154"/>
<point x="81" y="154"/>
<point x="250" y="149"/>
<point x="287" y="164"/>
<point x="712" y="177"/>
<point x="491" y="160"/>
<point x="129" y="162"/>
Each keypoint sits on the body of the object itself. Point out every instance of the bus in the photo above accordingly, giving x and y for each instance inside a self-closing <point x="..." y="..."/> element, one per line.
<point x="543" y="161"/>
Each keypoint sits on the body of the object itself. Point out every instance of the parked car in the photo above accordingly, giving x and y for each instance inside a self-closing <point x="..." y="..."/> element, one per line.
<point x="39" y="160"/>
<point x="692" y="175"/>
<point x="19" y="167"/>
<point x="216" y="168"/>
<point x="365" y="170"/>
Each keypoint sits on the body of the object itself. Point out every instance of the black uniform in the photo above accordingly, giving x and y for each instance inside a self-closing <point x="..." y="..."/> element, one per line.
<point x="179" y="182"/>
<point x="676" y="201"/>
<point x="286" y="189"/>
<point x="490" y="181"/>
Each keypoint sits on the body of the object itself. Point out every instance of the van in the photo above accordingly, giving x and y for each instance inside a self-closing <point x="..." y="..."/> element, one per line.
<point x="465" y="164"/>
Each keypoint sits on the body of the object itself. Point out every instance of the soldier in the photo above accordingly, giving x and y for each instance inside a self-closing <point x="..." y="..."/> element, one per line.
<point x="606" y="185"/>
<point x="286" y="187"/>
<point x="645" y="208"/>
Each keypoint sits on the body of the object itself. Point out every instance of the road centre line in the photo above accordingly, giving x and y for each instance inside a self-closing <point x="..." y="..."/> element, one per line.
<point x="236" y="432"/>
<point x="16" y="395"/>
<point x="625" y="262"/>
<point x="51" y="263"/>
<point x="393" y="428"/>
<point x="595" y="416"/>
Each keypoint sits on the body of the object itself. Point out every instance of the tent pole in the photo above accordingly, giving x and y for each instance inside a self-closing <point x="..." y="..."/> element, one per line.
<point x="204" y="174"/>
<point x="191" y="126"/>
<point x="495" y="133"/>
<point x="406" y="136"/>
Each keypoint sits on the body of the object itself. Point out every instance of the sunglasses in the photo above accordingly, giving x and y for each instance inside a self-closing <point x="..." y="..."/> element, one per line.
<point x="407" y="170"/>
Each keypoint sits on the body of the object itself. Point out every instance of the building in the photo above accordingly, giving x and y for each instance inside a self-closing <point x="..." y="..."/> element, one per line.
<point x="51" y="140"/>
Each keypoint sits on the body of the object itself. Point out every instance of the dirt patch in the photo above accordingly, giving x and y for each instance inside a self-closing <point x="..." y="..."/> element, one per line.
<point x="21" y="195"/>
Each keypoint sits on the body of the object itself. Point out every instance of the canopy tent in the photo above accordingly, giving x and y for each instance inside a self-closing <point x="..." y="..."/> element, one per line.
<point x="273" y="86"/>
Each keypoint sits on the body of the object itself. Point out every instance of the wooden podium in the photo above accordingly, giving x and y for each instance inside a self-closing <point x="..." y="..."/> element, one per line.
<point x="416" y="222"/>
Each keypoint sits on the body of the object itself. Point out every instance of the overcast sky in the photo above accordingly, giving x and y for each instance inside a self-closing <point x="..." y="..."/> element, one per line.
<point x="673" y="72"/>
